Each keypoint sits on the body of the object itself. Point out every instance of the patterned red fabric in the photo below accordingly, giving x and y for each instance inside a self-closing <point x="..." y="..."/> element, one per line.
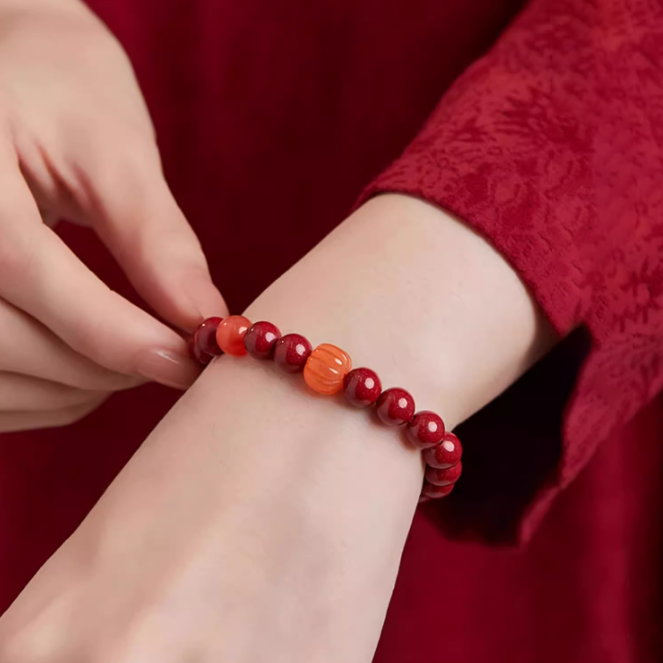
<point x="550" y="146"/>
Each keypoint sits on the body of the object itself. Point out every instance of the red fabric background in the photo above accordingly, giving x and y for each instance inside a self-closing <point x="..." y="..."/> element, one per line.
<point x="274" y="115"/>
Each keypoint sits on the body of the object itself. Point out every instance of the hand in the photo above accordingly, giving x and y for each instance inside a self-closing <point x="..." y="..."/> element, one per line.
<point x="76" y="141"/>
<point x="259" y="522"/>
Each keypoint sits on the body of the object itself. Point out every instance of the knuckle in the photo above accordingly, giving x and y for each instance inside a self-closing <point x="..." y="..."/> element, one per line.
<point x="136" y="157"/>
<point x="125" y="177"/>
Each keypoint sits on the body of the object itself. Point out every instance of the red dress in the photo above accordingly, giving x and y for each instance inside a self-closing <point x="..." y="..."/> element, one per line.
<point x="548" y="140"/>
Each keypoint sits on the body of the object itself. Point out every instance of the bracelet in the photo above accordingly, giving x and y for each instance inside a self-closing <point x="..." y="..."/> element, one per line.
<point x="328" y="370"/>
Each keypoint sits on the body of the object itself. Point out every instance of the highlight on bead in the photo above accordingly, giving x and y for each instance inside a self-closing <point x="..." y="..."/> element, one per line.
<point x="202" y="344"/>
<point x="362" y="387"/>
<point x="446" y="454"/>
<point x="230" y="335"/>
<point x="425" y="430"/>
<point x="291" y="352"/>
<point x="260" y="339"/>
<point x="395" y="407"/>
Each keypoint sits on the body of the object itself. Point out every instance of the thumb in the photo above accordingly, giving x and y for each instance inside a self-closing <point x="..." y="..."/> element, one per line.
<point x="137" y="218"/>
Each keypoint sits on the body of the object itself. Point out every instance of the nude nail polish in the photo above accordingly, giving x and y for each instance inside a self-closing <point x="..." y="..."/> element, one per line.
<point x="168" y="367"/>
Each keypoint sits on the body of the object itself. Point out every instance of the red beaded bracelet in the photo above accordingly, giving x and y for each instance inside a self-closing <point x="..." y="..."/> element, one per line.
<point x="328" y="370"/>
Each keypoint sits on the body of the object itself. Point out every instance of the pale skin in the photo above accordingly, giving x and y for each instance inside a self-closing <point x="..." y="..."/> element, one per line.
<point x="259" y="522"/>
<point x="76" y="141"/>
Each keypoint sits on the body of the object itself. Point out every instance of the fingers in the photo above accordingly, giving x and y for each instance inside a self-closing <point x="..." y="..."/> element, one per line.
<point x="138" y="219"/>
<point x="27" y="347"/>
<point x="41" y="276"/>
<point x="11" y="422"/>
<point x="22" y="393"/>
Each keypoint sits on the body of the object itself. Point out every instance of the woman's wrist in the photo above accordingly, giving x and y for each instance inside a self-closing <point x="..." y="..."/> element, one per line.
<point x="416" y="295"/>
<point x="260" y="518"/>
<point x="304" y="486"/>
<point x="300" y="500"/>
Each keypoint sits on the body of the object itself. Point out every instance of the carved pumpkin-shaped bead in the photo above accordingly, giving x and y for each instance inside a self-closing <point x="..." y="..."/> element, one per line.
<point x="326" y="368"/>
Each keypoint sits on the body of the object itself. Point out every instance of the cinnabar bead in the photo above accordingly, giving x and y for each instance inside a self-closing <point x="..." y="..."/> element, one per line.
<point x="230" y="335"/>
<point x="205" y="336"/>
<point x="194" y="350"/>
<point x="395" y="407"/>
<point x="435" y="492"/>
<point x="425" y="430"/>
<point x="202" y="344"/>
<point x="260" y="339"/>
<point x="362" y="387"/>
<point x="446" y="454"/>
<point x="291" y="352"/>
<point x="444" y="477"/>
<point x="326" y="368"/>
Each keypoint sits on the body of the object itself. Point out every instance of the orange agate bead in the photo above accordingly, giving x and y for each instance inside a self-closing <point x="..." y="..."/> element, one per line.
<point x="326" y="368"/>
<point x="230" y="334"/>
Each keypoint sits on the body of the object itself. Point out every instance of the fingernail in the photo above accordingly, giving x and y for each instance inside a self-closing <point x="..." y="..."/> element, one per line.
<point x="168" y="367"/>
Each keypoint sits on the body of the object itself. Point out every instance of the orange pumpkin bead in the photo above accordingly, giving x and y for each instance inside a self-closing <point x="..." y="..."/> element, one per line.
<point x="326" y="368"/>
<point x="230" y="334"/>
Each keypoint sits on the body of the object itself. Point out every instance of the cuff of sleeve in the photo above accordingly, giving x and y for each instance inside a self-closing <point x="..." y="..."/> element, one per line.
<point x="523" y="448"/>
<point x="550" y="155"/>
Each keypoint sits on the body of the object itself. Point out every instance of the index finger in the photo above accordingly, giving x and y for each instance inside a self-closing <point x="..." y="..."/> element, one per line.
<point x="40" y="275"/>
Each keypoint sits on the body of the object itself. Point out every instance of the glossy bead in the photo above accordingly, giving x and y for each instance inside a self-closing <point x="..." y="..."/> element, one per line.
<point x="435" y="492"/>
<point x="362" y="387"/>
<point x="291" y="352"/>
<point x="446" y="454"/>
<point x="205" y="337"/>
<point x="395" y="407"/>
<point x="194" y="350"/>
<point x="230" y="335"/>
<point x="425" y="430"/>
<point x="260" y="339"/>
<point x="326" y="368"/>
<point x="444" y="477"/>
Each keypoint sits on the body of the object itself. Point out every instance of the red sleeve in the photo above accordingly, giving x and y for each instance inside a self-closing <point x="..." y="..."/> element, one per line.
<point x="551" y="147"/>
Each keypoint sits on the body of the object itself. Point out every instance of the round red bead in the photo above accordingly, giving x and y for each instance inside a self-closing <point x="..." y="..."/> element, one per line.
<point x="425" y="430"/>
<point x="291" y="352"/>
<point x="434" y="492"/>
<point x="203" y="345"/>
<point x="444" y="477"/>
<point x="395" y="407"/>
<point x="362" y="387"/>
<point x="195" y="351"/>
<point x="260" y="339"/>
<point x="446" y="454"/>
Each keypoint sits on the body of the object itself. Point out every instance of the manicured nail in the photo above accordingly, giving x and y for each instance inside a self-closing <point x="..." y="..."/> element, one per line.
<point x="168" y="367"/>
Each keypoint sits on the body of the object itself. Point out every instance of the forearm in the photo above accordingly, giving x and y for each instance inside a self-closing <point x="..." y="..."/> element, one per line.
<point x="418" y="296"/>
<point x="406" y="290"/>
<point x="262" y="520"/>
<point x="305" y="484"/>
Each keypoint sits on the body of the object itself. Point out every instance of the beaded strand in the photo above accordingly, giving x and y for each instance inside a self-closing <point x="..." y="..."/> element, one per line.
<point x="328" y="370"/>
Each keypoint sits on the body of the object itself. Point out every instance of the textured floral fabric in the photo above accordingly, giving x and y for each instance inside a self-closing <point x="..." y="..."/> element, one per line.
<point x="551" y="147"/>
<point x="272" y="116"/>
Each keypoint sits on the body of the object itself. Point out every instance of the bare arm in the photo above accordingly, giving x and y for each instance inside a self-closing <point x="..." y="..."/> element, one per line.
<point x="260" y="520"/>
